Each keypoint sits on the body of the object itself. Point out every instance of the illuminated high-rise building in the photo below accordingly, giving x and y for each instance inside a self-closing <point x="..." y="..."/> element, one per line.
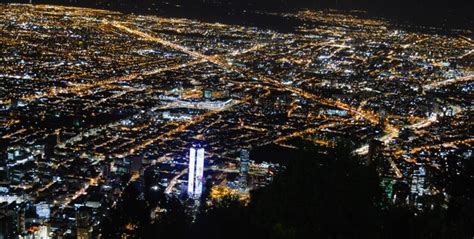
<point x="244" y="167"/>
<point x="196" y="171"/>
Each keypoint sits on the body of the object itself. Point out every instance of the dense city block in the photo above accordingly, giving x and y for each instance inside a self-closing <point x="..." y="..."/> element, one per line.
<point x="93" y="102"/>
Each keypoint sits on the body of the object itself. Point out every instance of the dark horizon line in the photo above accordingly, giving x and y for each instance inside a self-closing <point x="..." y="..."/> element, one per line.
<point x="437" y="13"/>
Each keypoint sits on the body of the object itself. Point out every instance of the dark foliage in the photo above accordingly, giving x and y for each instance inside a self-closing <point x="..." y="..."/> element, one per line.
<point x="335" y="196"/>
<point x="316" y="195"/>
<point x="323" y="195"/>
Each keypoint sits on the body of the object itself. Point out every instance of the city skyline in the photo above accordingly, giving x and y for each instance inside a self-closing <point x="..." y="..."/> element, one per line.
<point x="121" y="125"/>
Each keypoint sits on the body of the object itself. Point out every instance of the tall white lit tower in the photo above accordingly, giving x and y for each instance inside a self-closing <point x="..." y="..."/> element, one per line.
<point x="196" y="171"/>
